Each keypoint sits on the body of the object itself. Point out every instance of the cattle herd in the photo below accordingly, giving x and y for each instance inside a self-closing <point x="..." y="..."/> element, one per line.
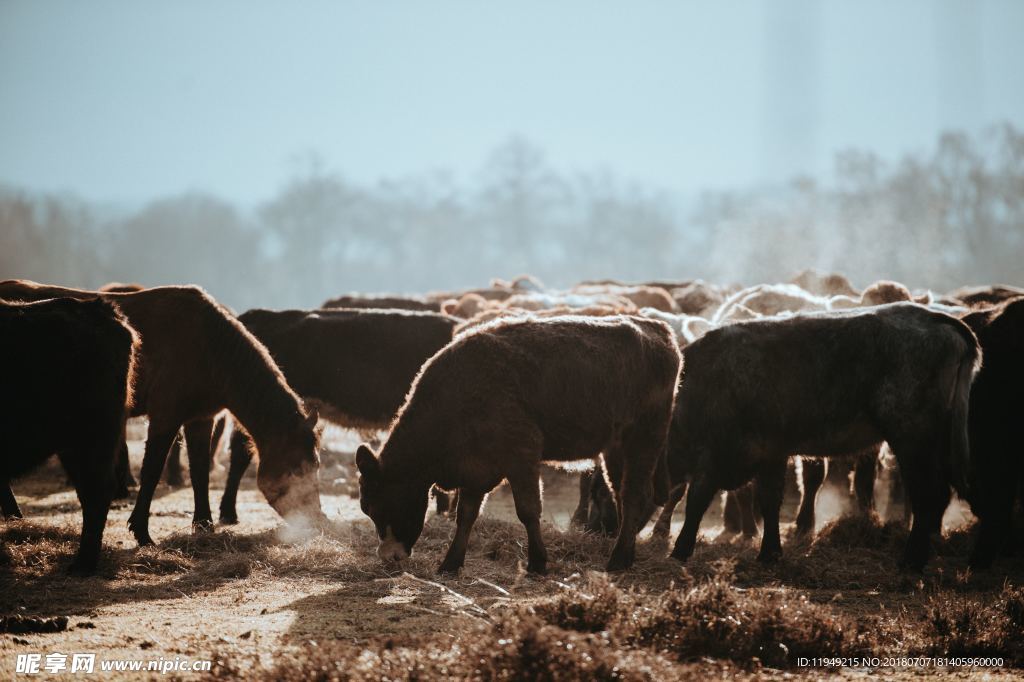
<point x="673" y="389"/>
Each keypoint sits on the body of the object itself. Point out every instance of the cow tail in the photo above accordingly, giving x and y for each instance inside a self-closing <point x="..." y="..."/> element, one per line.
<point x="960" y="449"/>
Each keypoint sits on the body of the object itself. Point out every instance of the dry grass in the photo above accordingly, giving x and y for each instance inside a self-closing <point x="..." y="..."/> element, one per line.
<point x="267" y="605"/>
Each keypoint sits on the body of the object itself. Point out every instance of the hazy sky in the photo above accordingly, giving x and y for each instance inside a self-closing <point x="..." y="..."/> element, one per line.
<point x="125" y="101"/>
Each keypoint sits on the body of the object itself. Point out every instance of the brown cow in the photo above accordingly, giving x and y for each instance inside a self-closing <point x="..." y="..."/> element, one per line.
<point x="504" y="397"/>
<point x="827" y="384"/>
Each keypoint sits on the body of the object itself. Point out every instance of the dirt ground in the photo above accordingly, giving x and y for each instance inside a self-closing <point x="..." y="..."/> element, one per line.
<point x="252" y="596"/>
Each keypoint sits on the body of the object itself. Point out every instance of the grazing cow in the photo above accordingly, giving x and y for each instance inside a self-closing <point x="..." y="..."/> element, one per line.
<point x="384" y="302"/>
<point x="354" y="366"/>
<point x="504" y="397"/>
<point x="825" y="384"/>
<point x="997" y="447"/>
<point x="196" y="359"/>
<point x="67" y="377"/>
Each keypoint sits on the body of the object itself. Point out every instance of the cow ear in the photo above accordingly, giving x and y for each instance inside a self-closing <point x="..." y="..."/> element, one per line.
<point x="366" y="461"/>
<point x="312" y="418"/>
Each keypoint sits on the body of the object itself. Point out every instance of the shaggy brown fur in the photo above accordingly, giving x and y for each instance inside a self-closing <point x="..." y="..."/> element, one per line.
<point x="383" y="302"/>
<point x="885" y="291"/>
<point x="120" y="288"/>
<point x="984" y="296"/>
<point x="196" y="360"/>
<point x="505" y="397"/>
<point x="355" y="366"/>
<point x="829" y="384"/>
<point x="67" y="377"/>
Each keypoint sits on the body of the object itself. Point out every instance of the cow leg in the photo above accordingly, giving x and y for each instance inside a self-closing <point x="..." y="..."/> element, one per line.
<point x="219" y="424"/>
<point x="864" y="481"/>
<point x="639" y="454"/>
<point x="732" y="522"/>
<point x="603" y="516"/>
<point x="898" y="495"/>
<point x="93" y="475"/>
<point x="442" y="503"/>
<point x="812" y="475"/>
<point x="698" y="497"/>
<point x="241" y="455"/>
<point x="198" y="440"/>
<point x="158" y="443"/>
<point x="994" y="528"/>
<point x="744" y="497"/>
<point x="663" y="526"/>
<point x="466" y="513"/>
<point x="929" y="495"/>
<point x="997" y="483"/>
<point x="526" y="494"/>
<point x="123" y="479"/>
<point x="173" y="475"/>
<point x="582" y="512"/>
<point x="8" y="505"/>
<point x="770" y="485"/>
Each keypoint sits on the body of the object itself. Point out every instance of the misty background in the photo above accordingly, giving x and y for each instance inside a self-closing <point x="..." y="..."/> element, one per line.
<point x="280" y="154"/>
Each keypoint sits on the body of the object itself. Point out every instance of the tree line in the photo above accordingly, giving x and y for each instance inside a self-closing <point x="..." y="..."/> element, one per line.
<point x="947" y="216"/>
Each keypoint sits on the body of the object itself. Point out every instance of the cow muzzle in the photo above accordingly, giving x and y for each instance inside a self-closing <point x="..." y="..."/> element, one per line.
<point x="391" y="549"/>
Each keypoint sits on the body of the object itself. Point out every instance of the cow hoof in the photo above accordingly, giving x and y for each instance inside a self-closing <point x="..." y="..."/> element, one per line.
<point x="537" y="568"/>
<point x="449" y="568"/>
<point x="619" y="562"/>
<point x="202" y="527"/>
<point x="228" y="518"/>
<point x="769" y="556"/>
<point x="142" y="537"/>
<point x="681" y="555"/>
